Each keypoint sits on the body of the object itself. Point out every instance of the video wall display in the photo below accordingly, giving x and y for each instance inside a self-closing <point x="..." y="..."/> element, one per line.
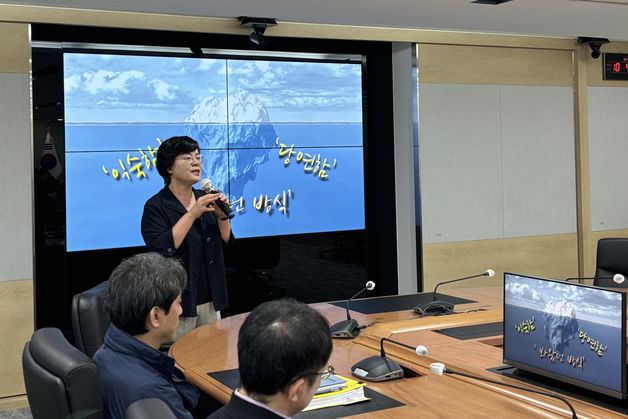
<point x="283" y="139"/>
<point x="566" y="331"/>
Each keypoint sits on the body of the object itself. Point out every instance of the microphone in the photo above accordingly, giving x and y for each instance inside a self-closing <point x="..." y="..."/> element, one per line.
<point x="381" y="368"/>
<point x="439" y="368"/>
<point x="439" y="307"/>
<point x="617" y="278"/>
<point x="208" y="187"/>
<point x="349" y="328"/>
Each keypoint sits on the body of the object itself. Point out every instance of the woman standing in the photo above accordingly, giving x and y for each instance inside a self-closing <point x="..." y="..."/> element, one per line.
<point x="183" y="222"/>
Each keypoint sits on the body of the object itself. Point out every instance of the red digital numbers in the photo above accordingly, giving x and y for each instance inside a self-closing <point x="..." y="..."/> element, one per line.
<point x="615" y="66"/>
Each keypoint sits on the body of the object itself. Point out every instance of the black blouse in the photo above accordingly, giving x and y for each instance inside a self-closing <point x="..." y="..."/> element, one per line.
<point x="201" y="251"/>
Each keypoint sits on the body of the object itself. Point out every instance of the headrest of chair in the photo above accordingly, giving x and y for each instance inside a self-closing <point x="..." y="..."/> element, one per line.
<point x="50" y="348"/>
<point x="92" y="296"/>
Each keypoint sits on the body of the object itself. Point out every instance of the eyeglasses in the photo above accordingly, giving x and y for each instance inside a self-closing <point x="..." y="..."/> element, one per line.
<point x="325" y="374"/>
<point x="189" y="158"/>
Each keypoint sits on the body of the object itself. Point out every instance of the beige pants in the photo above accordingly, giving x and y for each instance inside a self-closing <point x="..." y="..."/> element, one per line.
<point x="206" y="314"/>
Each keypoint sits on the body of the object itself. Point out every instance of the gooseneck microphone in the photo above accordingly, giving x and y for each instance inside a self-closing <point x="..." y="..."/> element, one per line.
<point x="439" y="368"/>
<point x="439" y="307"/>
<point x="617" y="278"/>
<point x="348" y="329"/>
<point x="382" y="368"/>
<point x="208" y="187"/>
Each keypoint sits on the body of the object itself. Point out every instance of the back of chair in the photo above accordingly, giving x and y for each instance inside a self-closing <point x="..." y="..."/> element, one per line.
<point x="61" y="381"/>
<point x="149" y="409"/>
<point x="612" y="258"/>
<point x="89" y="319"/>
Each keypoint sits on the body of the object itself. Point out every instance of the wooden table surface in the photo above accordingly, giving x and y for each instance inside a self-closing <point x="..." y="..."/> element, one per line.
<point x="213" y="347"/>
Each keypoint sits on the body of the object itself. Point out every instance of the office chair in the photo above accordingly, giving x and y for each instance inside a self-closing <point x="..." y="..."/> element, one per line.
<point x="149" y="409"/>
<point x="611" y="259"/>
<point x="61" y="381"/>
<point x="89" y="319"/>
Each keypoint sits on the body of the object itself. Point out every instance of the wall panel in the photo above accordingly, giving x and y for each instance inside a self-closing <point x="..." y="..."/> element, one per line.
<point x="14" y="48"/>
<point x="551" y="256"/>
<point x="498" y="166"/>
<point x="608" y="150"/>
<point x="16" y="213"/>
<point x="489" y="65"/>
<point x="16" y="173"/>
<point x="538" y="159"/>
<point x="16" y="310"/>
<point x="459" y="142"/>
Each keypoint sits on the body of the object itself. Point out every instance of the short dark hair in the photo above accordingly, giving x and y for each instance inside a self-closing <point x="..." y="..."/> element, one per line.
<point x="140" y="283"/>
<point x="170" y="150"/>
<point x="279" y="342"/>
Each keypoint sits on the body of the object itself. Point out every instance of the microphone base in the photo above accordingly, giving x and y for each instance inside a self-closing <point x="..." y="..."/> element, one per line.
<point x="434" y="308"/>
<point x="377" y="368"/>
<point x="346" y="329"/>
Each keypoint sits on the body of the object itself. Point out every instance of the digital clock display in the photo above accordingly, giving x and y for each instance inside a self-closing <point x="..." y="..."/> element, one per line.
<point x="615" y="66"/>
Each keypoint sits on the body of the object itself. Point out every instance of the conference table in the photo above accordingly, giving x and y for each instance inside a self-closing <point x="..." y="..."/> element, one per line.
<point x="213" y="348"/>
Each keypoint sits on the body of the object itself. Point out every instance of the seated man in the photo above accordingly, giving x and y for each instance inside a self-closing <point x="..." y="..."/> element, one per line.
<point x="143" y="300"/>
<point x="283" y="350"/>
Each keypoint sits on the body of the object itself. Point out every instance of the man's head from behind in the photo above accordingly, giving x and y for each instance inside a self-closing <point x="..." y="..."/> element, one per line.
<point x="144" y="296"/>
<point x="283" y="346"/>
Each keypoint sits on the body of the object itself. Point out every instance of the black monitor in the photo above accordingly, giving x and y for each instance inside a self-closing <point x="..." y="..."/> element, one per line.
<point x="569" y="332"/>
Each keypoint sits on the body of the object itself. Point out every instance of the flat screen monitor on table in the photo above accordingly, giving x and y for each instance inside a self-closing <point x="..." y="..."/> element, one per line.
<point x="569" y="332"/>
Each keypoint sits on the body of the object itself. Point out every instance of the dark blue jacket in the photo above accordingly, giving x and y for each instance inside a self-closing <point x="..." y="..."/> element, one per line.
<point x="130" y="370"/>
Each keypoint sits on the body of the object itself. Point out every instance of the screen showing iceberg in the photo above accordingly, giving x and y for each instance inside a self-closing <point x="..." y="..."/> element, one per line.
<point x="282" y="139"/>
<point x="570" y="332"/>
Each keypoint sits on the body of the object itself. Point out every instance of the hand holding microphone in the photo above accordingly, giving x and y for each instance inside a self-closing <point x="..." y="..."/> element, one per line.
<point x="221" y="202"/>
<point x="204" y="204"/>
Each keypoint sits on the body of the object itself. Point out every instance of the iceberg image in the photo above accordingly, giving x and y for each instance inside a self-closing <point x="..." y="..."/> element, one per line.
<point x="249" y="136"/>
<point x="560" y="324"/>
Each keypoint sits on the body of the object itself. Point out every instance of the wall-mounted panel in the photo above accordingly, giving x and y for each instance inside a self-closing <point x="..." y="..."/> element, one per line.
<point x="14" y="48"/>
<point x="461" y="190"/>
<point x="16" y="310"/>
<point x="550" y="256"/>
<point x="531" y="227"/>
<point x="608" y="154"/>
<point x="16" y="172"/>
<point x="538" y="159"/>
<point x="489" y="65"/>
